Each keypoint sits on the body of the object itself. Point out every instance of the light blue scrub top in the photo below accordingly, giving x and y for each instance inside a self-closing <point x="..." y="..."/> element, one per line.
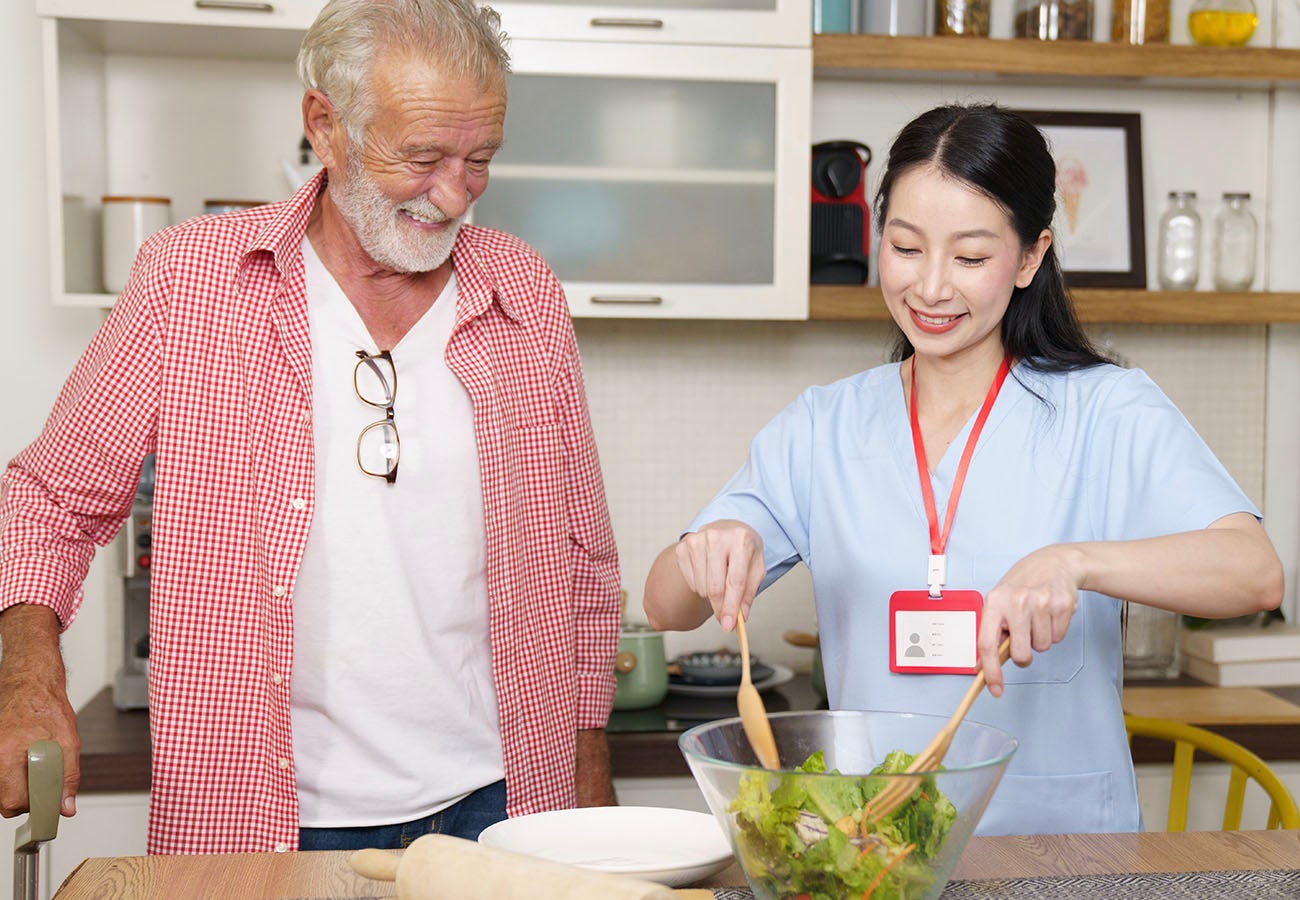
<point x="832" y="481"/>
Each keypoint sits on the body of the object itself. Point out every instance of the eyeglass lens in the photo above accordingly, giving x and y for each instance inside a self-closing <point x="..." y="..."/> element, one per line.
<point x="376" y="380"/>
<point x="378" y="450"/>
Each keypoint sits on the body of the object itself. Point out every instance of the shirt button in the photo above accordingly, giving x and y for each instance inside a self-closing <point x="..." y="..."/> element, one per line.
<point x="282" y="847"/>
<point x="298" y="503"/>
<point x="284" y="763"/>
<point x="278" y="590"/>
<point x="276" y="679"/>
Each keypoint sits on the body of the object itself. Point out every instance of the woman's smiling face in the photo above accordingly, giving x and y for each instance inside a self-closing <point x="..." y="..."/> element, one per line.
<point x="949" y="259"/>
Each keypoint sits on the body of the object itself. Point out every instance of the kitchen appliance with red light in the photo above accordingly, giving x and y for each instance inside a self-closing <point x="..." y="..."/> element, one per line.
<point x="841" y="213"/>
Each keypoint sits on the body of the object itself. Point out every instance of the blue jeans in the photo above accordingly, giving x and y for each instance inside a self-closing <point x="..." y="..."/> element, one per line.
<point x="465" y="819"/>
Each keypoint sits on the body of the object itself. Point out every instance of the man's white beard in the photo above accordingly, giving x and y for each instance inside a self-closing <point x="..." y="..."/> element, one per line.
<point x="377" y="222"/>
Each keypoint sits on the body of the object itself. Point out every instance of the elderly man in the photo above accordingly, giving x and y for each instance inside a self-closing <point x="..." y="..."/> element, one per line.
<point x="375" y="612"/>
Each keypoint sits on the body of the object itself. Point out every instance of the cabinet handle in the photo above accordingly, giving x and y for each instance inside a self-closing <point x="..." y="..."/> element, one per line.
<point x="608" y="22"/>
<point x="644" y="300"/>
<point x="240" y="5"/>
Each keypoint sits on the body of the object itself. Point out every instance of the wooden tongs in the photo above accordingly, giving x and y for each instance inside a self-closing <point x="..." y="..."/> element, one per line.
<point x="901" y="788"/>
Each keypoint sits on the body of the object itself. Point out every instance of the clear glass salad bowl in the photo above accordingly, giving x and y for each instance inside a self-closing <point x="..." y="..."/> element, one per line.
<point x="800" y="832"/>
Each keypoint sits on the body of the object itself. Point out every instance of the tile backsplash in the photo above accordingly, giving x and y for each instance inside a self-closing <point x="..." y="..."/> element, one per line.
<point x="675" y="404"/>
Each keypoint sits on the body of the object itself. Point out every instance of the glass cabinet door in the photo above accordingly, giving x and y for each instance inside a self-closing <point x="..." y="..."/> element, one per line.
<point x="660" y="181"/>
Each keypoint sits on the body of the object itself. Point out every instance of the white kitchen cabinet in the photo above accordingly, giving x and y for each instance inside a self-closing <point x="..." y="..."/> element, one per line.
<point x="105" y="825"/>
<point x="660" y="179"/>
<point x="288" y="14"/>
<point x="777" y="23"/>
<point x="665" y="792"/>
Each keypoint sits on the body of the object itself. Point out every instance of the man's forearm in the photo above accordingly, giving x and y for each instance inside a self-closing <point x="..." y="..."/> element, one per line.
<point x="29" y="638"/>
<point x="592" y="769"/>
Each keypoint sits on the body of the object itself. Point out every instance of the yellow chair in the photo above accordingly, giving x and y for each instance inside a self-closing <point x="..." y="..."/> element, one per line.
<point x="1187" y="739"/>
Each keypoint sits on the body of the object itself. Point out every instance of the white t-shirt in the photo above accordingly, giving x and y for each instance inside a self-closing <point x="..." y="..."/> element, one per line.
<point x="393" y="704"/>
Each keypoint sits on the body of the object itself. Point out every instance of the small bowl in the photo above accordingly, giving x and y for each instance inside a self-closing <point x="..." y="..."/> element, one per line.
<point x="718" y="667"/>
<point x="790" y="830"/>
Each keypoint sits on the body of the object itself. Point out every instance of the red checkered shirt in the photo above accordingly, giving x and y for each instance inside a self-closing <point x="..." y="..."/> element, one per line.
<point x="206" y="360"/>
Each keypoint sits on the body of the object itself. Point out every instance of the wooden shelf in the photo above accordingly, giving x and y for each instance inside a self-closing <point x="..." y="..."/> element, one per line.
<point x="862" y="54"/>
<point x="1117" y="306"/>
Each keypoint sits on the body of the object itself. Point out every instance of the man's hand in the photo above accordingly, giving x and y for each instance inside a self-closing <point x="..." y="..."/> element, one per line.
<point x="594" y="784"/>
<point x="33" y="705"/>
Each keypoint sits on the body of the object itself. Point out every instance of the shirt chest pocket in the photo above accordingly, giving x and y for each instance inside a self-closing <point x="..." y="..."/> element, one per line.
<point x="1057" y="665"/>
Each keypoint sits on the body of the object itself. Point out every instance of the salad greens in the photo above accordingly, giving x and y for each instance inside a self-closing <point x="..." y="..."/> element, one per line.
<point x="805" y="838"/>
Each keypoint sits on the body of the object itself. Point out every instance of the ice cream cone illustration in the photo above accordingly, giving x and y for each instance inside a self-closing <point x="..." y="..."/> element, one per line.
<point x="1071" y="179"/>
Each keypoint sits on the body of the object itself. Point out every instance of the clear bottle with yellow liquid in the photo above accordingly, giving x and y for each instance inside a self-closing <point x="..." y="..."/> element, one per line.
<point x="1222" y="23"/>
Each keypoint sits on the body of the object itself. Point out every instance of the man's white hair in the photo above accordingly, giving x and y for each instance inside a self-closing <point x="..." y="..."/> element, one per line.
<point x="458" y="37"/>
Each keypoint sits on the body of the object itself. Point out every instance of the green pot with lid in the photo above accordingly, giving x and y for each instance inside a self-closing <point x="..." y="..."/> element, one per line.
<point x="640" y="669"/>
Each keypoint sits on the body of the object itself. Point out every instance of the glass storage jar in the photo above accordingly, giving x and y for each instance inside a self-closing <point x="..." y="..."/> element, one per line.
<point x="1139" y="21"/>
<point x="1180" y="243"/>
<point x="1235" y="231"/>
<point x="968" y="17"/>
<point x="1222" y="23"/>
<point x="1054" y="20"/>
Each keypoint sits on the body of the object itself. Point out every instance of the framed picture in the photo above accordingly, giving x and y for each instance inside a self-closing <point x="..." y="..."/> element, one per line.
<point x="1100" y="223"/>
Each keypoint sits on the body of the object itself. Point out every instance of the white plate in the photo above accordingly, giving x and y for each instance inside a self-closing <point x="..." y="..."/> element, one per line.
<point x="674" y="847"/>
<point x="780" y="675"/>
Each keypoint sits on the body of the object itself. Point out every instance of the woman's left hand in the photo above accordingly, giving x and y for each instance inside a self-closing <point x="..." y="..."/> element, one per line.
<point x="1033" y="603"/>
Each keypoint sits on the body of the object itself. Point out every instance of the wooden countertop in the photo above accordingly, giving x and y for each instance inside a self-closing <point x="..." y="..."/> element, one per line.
<point x="115" y="745"/>
<point x="1210" y="706"/>
<point x="327" y="874"/>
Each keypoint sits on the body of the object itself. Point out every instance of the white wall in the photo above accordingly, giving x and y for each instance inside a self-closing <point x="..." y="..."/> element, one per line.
<point x="42" y="342"/>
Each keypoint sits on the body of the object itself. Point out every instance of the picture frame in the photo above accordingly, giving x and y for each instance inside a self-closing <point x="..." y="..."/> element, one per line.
<point x="1100" y="224"/>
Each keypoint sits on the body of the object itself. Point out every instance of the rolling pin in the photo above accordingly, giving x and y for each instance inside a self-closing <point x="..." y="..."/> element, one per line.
<point x="438" y="867"/>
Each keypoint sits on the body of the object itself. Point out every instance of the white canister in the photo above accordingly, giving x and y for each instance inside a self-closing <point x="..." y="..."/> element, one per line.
<point x="216" y="207"/>
<point x="127" y="222"/>
<point x="894" y="17"/>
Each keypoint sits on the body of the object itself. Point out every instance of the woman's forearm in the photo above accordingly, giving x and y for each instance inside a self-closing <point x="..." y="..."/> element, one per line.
<point x="670" y="604"/>
<point x="1228" y="569"/>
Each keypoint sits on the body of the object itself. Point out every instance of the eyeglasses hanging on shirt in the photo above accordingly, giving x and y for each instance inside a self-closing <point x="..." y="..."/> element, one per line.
<point x="378" y="447"/>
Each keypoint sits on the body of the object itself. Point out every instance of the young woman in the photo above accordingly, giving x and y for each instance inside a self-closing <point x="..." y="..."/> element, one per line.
<point x="998" y="478"/>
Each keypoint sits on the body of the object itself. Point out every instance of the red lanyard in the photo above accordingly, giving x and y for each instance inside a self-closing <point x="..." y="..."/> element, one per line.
<point x="939" y="539"/>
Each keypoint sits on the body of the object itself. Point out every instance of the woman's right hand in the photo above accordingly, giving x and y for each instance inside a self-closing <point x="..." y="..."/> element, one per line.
<point x="723" y="563"/>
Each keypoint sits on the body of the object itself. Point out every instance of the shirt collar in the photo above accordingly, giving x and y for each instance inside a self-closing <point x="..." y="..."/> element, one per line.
<point x="476" y="278"/>
<point x="282" y="235"/>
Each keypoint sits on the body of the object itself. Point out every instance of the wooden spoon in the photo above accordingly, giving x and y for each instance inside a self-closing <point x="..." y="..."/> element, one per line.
<point x="753" y="715"/>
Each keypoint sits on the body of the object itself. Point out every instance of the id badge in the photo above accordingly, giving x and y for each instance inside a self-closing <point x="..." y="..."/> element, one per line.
<point x="929" y="636"/>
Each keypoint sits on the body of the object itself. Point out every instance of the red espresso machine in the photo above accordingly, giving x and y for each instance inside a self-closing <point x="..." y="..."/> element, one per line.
<point x="841" y="213"/>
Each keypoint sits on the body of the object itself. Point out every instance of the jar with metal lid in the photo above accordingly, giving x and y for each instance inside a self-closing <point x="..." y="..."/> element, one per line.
<point x="1222" y="23"/>
<point x="966" y="17"/>
<point x="1054" y="20"/>
<point x="1139" y="21"/>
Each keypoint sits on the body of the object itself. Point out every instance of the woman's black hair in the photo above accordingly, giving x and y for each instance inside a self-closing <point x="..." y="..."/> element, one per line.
<point x="1003" y="156"/>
